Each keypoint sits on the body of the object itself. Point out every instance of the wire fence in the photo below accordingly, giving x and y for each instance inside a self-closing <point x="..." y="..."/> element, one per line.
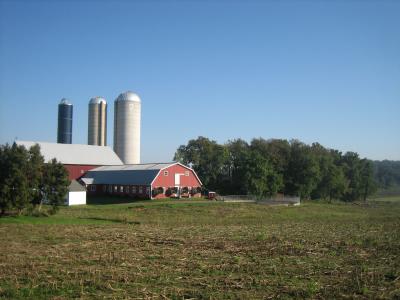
<point x="278" y="199"/>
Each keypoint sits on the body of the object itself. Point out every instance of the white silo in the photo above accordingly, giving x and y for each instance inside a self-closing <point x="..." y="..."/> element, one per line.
<point x="127" y="127"/>
<point x="97" y="122"/>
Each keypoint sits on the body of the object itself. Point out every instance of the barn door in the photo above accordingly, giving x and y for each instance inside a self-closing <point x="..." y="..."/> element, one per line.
<point x="178" y="183"/>
<point x="178" y="179"/>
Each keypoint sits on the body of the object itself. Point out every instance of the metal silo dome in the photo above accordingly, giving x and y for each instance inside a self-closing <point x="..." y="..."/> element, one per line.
<point x="97" y="100"/>
<point x="127" y="115"/>
<point x="128" y="96"/>
<point x="65" y="101"/>
<point x="97" y="122"/>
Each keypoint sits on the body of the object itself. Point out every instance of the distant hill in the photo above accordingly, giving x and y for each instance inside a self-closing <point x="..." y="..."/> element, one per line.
<point x="387" y="175"/>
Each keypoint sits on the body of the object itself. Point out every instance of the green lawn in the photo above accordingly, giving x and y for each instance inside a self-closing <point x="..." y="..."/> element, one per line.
<point x="196" y="249"/>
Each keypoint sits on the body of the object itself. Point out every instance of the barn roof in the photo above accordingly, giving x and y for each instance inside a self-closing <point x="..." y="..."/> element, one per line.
<point x="136" y="167"/>
<point x="76" y="154"/>
<point x="75" y="186"/>
<point x="138" y="174"/>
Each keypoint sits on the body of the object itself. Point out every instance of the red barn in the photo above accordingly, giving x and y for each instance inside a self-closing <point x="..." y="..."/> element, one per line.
<point x="76" y="158"/>
<point x="145" y="181"/>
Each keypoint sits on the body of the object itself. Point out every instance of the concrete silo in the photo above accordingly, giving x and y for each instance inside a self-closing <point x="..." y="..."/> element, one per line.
<point x="127" y="127"/>
<point x="64" y="129"/>
<point x="97" y="124"/>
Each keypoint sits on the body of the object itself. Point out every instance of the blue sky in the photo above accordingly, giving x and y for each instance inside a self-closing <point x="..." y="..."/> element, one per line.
<point x="318" y="71"/>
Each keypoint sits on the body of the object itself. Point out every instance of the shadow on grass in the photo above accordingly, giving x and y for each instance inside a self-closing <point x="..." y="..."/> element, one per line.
<point x="112" y="200"/>
<point x="120" y="221"/>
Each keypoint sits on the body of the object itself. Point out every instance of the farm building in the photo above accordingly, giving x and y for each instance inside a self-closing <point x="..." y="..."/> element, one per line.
<point x="76" y="194"/>
<point x="101" y="172"/>
<point x="76" y="158"/>
<point x="145" y="181"/>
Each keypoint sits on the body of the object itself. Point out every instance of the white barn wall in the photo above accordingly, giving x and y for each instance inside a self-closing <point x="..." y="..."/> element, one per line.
<point x="76" y="198"/>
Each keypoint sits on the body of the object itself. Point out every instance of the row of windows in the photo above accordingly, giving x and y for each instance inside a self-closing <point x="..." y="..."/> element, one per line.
<point x="127" y="189"/>
<point x="164" y="189"/>
<point x="166" y="173"/>
<point x="121" y="189"/>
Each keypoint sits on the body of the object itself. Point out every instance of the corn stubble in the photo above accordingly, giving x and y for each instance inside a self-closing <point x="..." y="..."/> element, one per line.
<point x="206" y="251"/>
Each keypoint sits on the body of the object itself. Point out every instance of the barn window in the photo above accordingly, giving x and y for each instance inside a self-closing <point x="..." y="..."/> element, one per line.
<point x="186" y="173"/>
<point x="165" y="173"/>
<point x="82" y="171"/>
<point x="140" y="190"/>
<point x="148" y="190"/>
<point x="134" y="190"/>
<point x="121" y="189"/>
<point x="110" y="188"/>
<point x="93" y="188"/>
<point x="104" y="188"/>
<point x="115" y="189"/>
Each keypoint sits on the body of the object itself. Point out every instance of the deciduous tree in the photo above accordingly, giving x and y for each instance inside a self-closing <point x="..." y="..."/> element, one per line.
<point x="55" y="183"/>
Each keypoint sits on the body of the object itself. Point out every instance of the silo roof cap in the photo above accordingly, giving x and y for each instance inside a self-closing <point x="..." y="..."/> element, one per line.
<point x="128" y="96"/>
<point x="97" y="100"/>
<point x="65" y="101"/>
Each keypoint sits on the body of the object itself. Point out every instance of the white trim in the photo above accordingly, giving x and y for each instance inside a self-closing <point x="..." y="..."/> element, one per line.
<point x="195" y="174"/>
<point x="178" y="178"/>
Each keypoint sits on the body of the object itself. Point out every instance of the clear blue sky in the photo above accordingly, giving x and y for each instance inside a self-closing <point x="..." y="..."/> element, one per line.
<point x="318" y="71"/>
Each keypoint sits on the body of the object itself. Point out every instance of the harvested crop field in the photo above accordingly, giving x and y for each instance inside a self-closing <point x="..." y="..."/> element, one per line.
<point x="204" y="250"/>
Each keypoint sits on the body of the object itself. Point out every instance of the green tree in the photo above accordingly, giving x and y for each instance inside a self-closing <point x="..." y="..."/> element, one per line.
<point x="34" y="174"/>
<point x="5" y="184"/>
<point x="26" y="180"/>
<point x="55" y="183"/>
<point x="277" y="151"/>
<point x="270" y="166"/>
<point x="16" y="177"/>
<point x="352" y="170"/>
<point x="19" y="190"/>
<point x="302" y="174"/>
<point x="336" y="181"/>
<point x="332" y="182"/>
<point x="261" y="178"/>
<point x="238" y="155"/>
<point x="207" y="158"/>
<point x="368" y="185"/>
<point x="387" y="174"/>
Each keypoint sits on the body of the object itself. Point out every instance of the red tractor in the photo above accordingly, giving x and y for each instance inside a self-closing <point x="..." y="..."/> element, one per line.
<point x="212" y="195"/>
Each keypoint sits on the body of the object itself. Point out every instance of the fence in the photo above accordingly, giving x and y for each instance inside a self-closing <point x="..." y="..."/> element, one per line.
<point x="277" y="200"/>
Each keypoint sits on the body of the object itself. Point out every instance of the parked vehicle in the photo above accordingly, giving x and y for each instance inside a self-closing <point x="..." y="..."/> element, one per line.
<point x="211" y="195"/>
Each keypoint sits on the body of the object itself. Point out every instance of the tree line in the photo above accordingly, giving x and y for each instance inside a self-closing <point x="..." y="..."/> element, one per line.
<point x="387" y="176"/>
<point x="267" y="167"/>
<point x="26" y="181"/>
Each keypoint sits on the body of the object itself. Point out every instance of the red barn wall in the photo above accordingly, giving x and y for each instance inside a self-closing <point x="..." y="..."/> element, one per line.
<point x="169" y="181"/>
<point x="165" y="181"/>
<point x="76" y="171"/>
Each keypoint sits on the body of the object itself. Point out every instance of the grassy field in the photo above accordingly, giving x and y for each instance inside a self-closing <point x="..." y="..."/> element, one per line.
<point x="204" y="250"/>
